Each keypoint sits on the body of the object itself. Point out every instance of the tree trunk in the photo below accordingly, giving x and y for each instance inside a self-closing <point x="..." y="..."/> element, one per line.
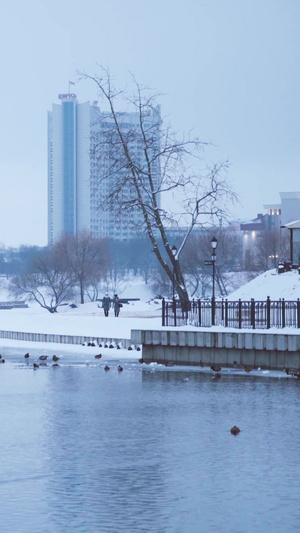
<point x="179" y="284"/>
<point x="81" y="293"/>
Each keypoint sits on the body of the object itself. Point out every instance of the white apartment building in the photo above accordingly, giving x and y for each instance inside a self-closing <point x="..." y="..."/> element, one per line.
<point x="83" y="168"/>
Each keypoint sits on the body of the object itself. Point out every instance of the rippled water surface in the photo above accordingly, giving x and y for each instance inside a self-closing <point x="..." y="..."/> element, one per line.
<point x="147" y="450"/>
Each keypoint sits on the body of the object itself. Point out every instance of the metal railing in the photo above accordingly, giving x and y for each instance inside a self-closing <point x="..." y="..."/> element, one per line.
<point x="239" y="314"/>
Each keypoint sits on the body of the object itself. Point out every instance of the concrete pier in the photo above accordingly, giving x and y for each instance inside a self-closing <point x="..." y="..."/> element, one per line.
<point x="62" y="339"/>
<point x="274" y="351"/>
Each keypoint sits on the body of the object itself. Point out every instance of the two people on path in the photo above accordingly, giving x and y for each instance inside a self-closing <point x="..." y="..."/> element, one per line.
<point x="106" y="304"/>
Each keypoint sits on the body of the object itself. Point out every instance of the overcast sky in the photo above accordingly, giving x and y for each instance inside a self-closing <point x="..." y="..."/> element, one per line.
<point x="229" y="71"/>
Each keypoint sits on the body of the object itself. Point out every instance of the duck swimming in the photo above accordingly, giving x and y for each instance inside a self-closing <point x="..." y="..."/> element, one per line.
<point x="215" y="368"/>
<point x="235" y="430"/>
<point x="293" y="372"/>
<point x="237" y="365"/>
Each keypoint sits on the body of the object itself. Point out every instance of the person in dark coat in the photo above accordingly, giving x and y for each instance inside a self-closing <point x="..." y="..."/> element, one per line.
<point x="116" y="305"/>
<point x="106" y="304"/>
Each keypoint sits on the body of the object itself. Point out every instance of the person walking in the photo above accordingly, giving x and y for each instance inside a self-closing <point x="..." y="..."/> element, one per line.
<point x="117" y="305"/>
<point x="106" y="304"/>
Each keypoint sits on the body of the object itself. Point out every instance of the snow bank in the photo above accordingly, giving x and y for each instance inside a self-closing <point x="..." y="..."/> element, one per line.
<point x="272" y="284"/>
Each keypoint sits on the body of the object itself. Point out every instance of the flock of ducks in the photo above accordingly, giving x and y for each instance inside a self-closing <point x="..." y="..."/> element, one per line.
<point x="214" y="367"/>
<point x="55" y="359"/>
<point x="110" y="345"/>
<point x="295" y="372"/>
<point x="44" y="358"/>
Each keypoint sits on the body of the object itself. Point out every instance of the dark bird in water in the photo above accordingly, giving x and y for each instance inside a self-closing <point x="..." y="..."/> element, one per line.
<point x="215" y="368"/>
<point x="106" y="368"/>
<point x="55" y="364"/>
<point x="35" y="365"/>
<point x="247" y="368"/>
<point x="235" y="430"/>
<point x="237" y="365"/>
<point x="55" y="358"/>
<point x="141" y="361"/>
<point x="98" y="356"/>
<point x="43" y="357"/>
<point x="293" y="372"/>
<point x="2" y="360"/>
<point x="120" y="368"/>
<point x="26" y="355"/>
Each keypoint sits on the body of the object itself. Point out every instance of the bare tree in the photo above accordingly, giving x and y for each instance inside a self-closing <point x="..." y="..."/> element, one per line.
<point x="46" y="281"/>
<point x="84" y="256"/>
<point x="135" y="184"/>
<point x="198" y="249"/>
<point x="271" y="247"/>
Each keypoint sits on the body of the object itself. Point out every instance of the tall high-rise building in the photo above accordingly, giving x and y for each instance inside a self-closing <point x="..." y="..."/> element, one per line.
<point x="84" y="165"/>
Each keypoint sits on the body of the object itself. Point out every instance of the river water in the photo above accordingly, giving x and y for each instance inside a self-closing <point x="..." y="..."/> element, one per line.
<point x="147" y="450"/>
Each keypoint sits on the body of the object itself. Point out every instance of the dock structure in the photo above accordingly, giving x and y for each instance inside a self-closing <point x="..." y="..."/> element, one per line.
<point x="65" y="339"/>
<point x="265" y="349"/>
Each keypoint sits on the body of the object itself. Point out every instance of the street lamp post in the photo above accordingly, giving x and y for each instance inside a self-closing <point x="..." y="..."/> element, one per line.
<point x="174" y="252"/>
<point x="214" y="244"/>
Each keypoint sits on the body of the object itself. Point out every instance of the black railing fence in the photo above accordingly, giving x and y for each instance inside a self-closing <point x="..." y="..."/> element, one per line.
<point x="241" y="314"/>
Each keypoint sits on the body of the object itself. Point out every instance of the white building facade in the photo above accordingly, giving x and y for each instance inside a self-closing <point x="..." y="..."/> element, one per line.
<point x="83" y="168"/>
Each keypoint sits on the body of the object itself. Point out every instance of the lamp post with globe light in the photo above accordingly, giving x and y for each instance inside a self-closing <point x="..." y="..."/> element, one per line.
<point x="174" y="252"/>
<point x="214" y="244"/>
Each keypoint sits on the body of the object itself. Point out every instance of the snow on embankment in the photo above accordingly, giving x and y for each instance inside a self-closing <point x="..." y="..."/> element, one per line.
<point x="272" y="284"/>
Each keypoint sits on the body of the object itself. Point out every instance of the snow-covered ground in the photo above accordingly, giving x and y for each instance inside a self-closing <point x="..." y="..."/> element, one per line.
<point x="272" y="284"/>
<point x="88" y="319"/>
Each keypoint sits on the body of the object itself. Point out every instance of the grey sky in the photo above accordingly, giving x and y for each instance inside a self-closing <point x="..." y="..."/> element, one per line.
<point x="229" y="70"/>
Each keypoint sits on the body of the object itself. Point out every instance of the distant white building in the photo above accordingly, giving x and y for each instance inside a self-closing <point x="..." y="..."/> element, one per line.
<point x="290" y="207"/>
<point x="80" y="175"/>
<point x="276" y="217"/>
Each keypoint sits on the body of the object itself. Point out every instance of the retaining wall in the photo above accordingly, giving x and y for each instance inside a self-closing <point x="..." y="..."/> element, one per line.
<point x="62" y="339"/>
<point x="275" y="351"/>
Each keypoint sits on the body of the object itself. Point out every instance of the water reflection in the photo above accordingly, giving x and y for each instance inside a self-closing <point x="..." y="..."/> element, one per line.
<point x="147" y="450"/>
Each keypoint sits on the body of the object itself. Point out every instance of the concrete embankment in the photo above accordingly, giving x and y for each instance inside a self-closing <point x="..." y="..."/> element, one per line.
<point x="63" y="339"/>
<point x="274" y="351"/>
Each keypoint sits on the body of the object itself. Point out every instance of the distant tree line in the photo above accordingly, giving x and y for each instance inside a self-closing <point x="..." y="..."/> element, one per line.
<point x="81" y="268"/>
